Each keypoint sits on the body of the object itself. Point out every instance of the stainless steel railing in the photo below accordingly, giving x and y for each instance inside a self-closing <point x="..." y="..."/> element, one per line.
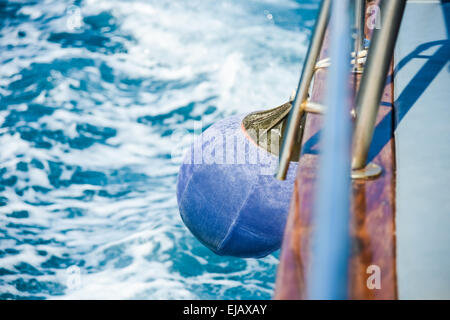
<point x="297" y="114"/>
<point x="368" y="98"/>
<point x="374" y="78"/>
<point x="331" y="237"/>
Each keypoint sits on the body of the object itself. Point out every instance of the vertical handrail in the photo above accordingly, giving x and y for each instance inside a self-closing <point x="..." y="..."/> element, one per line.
<point x="374" y="78"/>
<point x="359" y="26"/>
<point x="331" y="238"/>
<point x="291" y="134"/>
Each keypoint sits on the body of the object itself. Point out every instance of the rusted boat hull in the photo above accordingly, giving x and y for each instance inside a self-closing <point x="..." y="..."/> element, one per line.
<point x="372" y="210"/>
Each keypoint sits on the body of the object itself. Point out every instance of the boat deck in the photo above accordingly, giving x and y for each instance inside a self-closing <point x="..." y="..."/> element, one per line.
<point x="422" y="105"/>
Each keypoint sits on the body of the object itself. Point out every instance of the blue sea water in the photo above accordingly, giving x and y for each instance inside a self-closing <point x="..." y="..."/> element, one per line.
<point x="95" y="98"/>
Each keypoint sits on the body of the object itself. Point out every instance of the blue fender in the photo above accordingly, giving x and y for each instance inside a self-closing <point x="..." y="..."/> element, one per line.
<point x="228" y="198"/>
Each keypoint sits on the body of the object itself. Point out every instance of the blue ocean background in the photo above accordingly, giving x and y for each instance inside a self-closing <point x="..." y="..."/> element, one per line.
<point x="96" y="98"/>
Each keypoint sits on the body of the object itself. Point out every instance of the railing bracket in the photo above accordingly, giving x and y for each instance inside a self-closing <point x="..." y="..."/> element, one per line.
<point x="371" y="171"/>
<point x="312" y="107"/>
<point x="358" y="62"/>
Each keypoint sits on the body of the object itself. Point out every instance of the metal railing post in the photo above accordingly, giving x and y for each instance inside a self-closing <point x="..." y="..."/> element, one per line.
<point x="330" y="250"/>
<point x="360" y="6"/>
<point x="359" y="20"/>
<point x="297" y="114"/>
<point x="374" y="78"/>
